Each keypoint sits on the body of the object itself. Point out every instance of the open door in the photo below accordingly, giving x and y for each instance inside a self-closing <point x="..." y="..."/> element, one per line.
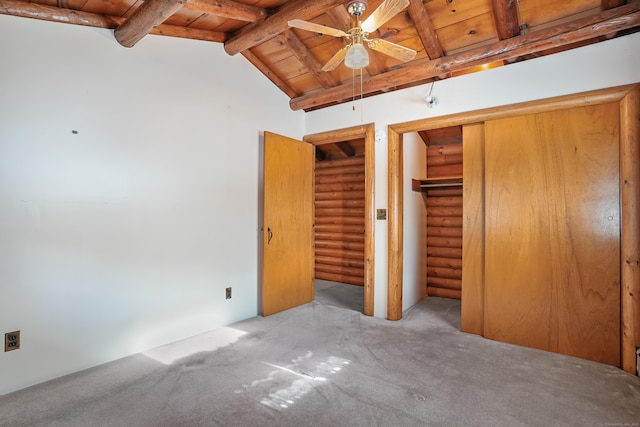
<point x="288" y="254"/>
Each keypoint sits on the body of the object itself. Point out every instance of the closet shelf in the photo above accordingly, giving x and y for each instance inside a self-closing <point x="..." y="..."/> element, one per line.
<point x="442" y="181"/>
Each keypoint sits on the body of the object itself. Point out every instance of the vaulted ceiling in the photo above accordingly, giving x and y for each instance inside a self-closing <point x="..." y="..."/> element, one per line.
<point x="450" y="36"/>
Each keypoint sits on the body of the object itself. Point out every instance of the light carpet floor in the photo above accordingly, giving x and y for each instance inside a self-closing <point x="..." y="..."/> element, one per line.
<point x="321" y="365"/>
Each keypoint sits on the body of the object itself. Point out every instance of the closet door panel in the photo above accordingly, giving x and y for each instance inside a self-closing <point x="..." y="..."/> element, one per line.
<point x="552" y="224"/>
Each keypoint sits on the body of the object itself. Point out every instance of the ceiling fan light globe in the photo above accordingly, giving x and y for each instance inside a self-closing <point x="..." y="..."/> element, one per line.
<point x="357" y="57"/>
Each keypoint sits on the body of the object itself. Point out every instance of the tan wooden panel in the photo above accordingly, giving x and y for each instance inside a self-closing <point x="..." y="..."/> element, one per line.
<point x="471" y="317"/>
<point x="288" y="259"/>
<point x="552" y="223"/>
<point x="543" y="11"/>
<point x="468" y="34"/>
<point x="444" y="13"/>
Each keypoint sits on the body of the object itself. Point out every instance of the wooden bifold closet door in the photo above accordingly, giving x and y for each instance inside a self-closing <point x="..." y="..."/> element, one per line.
<point x="552" y="231"/>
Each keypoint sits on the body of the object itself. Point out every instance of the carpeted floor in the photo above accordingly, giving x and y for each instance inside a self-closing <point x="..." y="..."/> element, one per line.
<point x="321" y="365"/>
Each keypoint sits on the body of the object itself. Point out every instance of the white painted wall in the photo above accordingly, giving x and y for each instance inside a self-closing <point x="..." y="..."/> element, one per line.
<point x="123" y="237"/>
<point x="607" y="64"/>
<point x="414" y="267"/>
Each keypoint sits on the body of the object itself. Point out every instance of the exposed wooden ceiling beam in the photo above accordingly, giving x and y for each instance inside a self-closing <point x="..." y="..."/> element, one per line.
<point x="305" y="56"/>
<point x="68" y="16"/>
<point x="275" y="79"/>
<point x="189" y="33"/>
<point x="346" y="148"/>
<point x="278" y="23"/>
<point x="142" y="21"/>
<point x="229" y="9"/>
<point x="606" y="22"/>
<point x="425" y="29"/>
<point x="55" y="14"/>
<point x="505" y="15"/>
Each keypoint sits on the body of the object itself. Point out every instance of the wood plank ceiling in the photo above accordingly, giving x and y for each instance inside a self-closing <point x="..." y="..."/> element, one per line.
<point x="450" y="36"/>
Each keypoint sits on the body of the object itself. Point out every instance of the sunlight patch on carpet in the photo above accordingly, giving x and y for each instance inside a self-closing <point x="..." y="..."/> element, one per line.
<point x="206" y="342"/>
<point x="303" y="381"/>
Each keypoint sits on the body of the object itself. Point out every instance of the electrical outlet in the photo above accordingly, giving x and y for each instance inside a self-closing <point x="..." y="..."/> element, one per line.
<point x="12" y="341"/>
<point x="228" y="293"/>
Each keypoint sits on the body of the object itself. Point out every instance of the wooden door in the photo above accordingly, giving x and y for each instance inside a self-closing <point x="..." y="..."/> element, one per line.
<point x="552" y="223"/>
<point x="288" y="259"/>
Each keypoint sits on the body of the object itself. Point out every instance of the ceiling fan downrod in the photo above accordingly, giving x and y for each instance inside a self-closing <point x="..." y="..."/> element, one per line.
<point x="357" y="7"/>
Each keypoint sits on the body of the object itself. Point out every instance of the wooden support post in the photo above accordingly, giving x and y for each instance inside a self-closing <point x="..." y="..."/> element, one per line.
<point x="630" y="233"/>
<point x="395" y="224"/>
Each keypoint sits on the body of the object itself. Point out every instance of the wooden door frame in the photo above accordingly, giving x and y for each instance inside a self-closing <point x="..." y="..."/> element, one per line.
<point x="628" y="98"/>
<point x="367" y="132"/>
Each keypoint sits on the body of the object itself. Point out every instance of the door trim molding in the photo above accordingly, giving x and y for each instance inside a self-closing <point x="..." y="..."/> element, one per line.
<point x="366" y="131"/>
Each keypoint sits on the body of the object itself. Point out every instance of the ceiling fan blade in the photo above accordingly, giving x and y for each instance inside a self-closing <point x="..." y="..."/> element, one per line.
<point x="336" y="59"/>
<point x="316" y="28"/>
<point x="402" y="53"/>
<point x="387" y="10"/>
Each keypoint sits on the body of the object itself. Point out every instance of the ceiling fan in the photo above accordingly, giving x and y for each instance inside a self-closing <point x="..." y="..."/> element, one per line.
<point x="354" y="54"/>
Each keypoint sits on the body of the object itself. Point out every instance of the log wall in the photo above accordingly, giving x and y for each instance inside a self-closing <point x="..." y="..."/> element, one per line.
<point x="444" y="223"/>
<point x="339" y="220"/>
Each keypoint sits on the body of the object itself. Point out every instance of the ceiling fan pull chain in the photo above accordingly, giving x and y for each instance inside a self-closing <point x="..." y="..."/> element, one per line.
<point x="361" y="98"/>
<point x="353" y="89"/>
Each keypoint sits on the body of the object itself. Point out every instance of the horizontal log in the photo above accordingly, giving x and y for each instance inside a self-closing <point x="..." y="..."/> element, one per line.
<point x="444" y="231"/>
<point x="347" y="271"/>
<point x="346" y="220"/>
<point x="444" y="252"/>
<point x="76" y="17"/>
<point x="443" y="192"/>
<point x="439" y="150"/>
<point x="339" y="253"/>
<point x="444" y="242"/>
<point x="329" y="164"/>
<point x="339" y="244"/>
<point x="443" y="282"/>
<point x="340" y="212"/>
<point x="433" y="261"/>
<point x="452" y="201"/>
<point x="342" y="195"/>
<point x="229" y="9"/>
<point x="355" y="203"/>
<point x="446" y="170"/>
<point x="341" y="278"/>
<point x="444" y="293"/>
<point x="357" y="177"/>
<point x="340" y="187"/>
<point x="444" y="272"/>
<point x="333" y="228"/>
<point x="444" y="211"/>
<point x="443" y="221"/>
<point x="337" y="236"/>
<point x="343" y="170"/>
<point x="340" y="262"/>
<point x="452" y="159"/>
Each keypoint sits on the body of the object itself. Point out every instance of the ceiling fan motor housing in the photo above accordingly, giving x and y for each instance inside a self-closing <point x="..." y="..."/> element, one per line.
<point x="357" y="7"/>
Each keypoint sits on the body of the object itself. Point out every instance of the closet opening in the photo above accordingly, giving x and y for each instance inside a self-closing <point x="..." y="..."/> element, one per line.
<point x="344" y="217"/>
<point x="339" y="224"/>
